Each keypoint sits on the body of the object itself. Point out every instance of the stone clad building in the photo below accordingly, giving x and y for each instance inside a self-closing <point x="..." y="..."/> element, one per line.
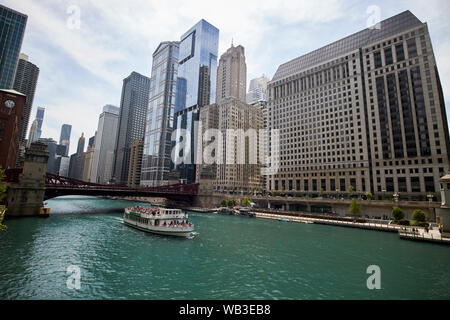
<point x="366" y="111"/>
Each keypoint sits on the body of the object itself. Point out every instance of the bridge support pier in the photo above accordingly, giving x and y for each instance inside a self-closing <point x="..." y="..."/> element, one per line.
<point x="25" y="195"/>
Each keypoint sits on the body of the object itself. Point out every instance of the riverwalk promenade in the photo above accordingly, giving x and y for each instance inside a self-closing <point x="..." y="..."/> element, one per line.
<point x="405" y="233"/>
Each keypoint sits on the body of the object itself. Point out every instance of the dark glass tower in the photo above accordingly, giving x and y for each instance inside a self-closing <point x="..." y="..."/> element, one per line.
<point x="25" y="82"/>
<point x="64" y="138"/>
<point x="133" y="114"/>
<point x="196" y="85"/>
<point x="12" y="29"/>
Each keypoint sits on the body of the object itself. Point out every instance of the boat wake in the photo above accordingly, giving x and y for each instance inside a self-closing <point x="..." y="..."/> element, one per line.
<point x="193" y="235"/>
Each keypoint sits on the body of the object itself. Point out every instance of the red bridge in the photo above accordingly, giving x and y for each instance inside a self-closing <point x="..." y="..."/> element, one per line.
<point x="57" y="186"/>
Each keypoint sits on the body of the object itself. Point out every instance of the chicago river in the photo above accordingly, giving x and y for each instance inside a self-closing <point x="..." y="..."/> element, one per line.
<point x="230" y="258"/>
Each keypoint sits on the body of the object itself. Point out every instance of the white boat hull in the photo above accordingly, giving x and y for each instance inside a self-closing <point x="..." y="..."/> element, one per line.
<point x="167" y="231"/>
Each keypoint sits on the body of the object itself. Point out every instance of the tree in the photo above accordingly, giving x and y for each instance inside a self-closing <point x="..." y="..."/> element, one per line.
<point x="223" y="203"/>
<point x="231" y="203"/>
<point x="321" y="192"/>
<point x="351" y="190"/>
<point x="398" y="214"/>
<point x="355" y="209"/>
<point x="245" y="202"/>
<point x="419" y="215"/>
<point x="370" y="196"/>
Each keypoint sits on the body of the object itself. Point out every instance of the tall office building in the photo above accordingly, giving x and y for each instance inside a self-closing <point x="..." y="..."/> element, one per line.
<point x="158" y="131"/>
<point x="134" y="170"/>
<point x="257" y="90"/>
<point x="105" y="144"/>
<point x="51" y="147"/>
<point x="64" y="138"/>
<point x="32" y="137"/>
<point x="133" y="114"/>
<point x="237" y="171"/>
<point x="40" y="118"/>
<point x="81" y="142"/>
<point x="366" y="111"/>
<point x="25" y="82"/>
<point x="232" y="75"/>
<point x="12" y="30"/>
<point x="196" y="86"/>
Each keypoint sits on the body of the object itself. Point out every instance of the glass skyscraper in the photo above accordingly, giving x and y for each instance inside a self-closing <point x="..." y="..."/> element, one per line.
<point x="160" y="115"/>
<point x="40" y="118"/>
<point x="12" y="29"/>
<point x="196" y="83"/>
<point x="131" y="127"/>
<point x="64" y="138"/>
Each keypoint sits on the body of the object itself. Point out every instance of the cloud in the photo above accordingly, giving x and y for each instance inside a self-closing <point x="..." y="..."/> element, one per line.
<point x="82" y="69"/>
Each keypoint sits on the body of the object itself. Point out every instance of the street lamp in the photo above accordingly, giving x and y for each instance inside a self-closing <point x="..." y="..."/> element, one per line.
<point x="430" y="197"/>
<point x="384" y="193"/>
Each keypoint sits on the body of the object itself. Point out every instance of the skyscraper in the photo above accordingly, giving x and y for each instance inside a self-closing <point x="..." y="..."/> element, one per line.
<point x="81" y="141"/>
<point x="40" y="118"/>
<point x="51" y="147"/>
<point x="232" y="75"/>
<point x="257" y="90"/>
<point x="196" y="85"/>
<point x="64" y="138"/>
<point x="105" y="144"/>
<point x="158" y="131"/>
<point x="366" y="111"/>
<point x="134" y="170"/>
<point x="25" y="82"/>
<point x="133" y="114"/>
<point x="32" y="137"/>
<point x="12" y="30"/>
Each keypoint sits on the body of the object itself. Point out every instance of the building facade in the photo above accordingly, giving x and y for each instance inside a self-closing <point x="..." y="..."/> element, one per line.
<point x="257" y="90"/>
<point x="160" y="115"/>
<point x="40" y="119"/>
<point x="134" y="171"/>
<point x="196" y="86"/>
<point x="12" y="30"/>
<point x="366" y="111"/>
<point x="132" y="118"/>
<point x="64" y="138"/>
<point x="105" y="144"/>
<point x="232" y="75"/>
<point x="25" y="81"/>
<point x="12" y="104"/>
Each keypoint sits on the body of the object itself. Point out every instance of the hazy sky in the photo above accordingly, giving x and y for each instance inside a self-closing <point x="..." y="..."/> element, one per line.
<point x="81" y="69"/>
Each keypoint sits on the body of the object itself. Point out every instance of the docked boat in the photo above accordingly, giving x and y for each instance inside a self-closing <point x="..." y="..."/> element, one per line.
<point x="226" y="211"/>
<point x="284" y="220"/>
<point x="245" y="212"/>
<point x="163" y="221"/>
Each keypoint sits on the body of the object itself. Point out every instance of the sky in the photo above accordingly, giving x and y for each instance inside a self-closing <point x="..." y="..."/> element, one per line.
<point x="84" y="49"/>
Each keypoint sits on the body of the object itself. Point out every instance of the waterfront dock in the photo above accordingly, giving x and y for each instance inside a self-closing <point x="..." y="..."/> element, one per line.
<point x="430" y="236"/>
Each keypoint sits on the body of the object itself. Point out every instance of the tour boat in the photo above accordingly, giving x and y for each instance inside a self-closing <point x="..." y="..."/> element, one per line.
<point x="163" y="221"/>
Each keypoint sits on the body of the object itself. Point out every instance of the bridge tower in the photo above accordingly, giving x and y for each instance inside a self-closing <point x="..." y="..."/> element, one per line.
<point x="25" y="196"/>
<point x="443" y="213"/>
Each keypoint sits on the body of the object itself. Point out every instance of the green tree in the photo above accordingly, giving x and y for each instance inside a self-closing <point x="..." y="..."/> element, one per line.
<point x="398" y="214"/>
<point x="231" y="203"/>
<point x="223" y="203"/>
<point x="370" y="196"/>
<point x="245" y="202"/>
<point x="355" y="209"/>
<point x="351" y="190"/>
<point x="321" y="192"/>
<point x="419" y="215"/>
